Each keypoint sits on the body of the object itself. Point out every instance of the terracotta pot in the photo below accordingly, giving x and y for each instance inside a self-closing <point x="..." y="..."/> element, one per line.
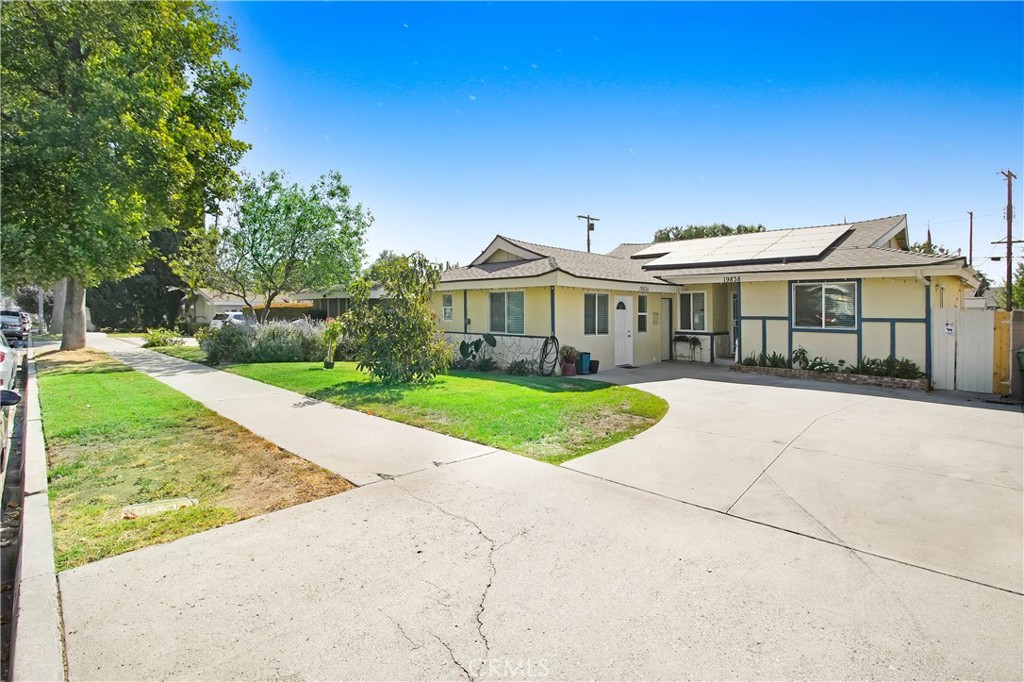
<point x="568" y="369"/>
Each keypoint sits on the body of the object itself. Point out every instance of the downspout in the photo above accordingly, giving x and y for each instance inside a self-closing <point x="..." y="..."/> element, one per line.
<point x="552" y="311"/>
<point x="927" y="324"/>
<point x="465" y="312"/>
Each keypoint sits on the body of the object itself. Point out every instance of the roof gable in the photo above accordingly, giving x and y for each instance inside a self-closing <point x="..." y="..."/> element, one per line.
<point x="502" y="250"/>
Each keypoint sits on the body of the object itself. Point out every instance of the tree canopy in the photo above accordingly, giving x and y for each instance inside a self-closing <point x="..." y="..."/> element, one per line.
<point x="281" y="237"/>
<point x="116" y="121"/>
<point x="676" y="233"/>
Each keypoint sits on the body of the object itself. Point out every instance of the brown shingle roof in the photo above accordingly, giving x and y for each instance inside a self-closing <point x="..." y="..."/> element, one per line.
<point x="854" y="251"/>
<point x="626" y="250"/>
<point x="553" y="258"/>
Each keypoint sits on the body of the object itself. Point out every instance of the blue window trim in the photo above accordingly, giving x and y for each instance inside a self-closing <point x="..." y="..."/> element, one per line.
<point x="858" y="330"/>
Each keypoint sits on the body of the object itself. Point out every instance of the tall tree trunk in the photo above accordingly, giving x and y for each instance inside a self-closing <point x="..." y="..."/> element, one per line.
<point x="60" y="290"/>
<point x="40" y="307"/>
<point x="74" y="317"/>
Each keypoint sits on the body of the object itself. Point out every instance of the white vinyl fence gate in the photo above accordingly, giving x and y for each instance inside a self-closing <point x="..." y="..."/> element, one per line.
<point x="968" y="348"/>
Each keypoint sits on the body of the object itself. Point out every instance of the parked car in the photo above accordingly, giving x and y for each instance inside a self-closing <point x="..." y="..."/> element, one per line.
<point x="8" y="364"/>
<point x="13" y="327"/>
<point x="221" y="319"/>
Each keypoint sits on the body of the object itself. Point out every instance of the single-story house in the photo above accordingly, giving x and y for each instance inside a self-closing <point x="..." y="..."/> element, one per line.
<point x="333" y="302"/>
<point x="209" y="303"/>
<point x="842" y="292"/>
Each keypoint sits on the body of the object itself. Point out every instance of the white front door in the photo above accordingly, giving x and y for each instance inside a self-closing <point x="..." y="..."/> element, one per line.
<point x="623" y="330"/>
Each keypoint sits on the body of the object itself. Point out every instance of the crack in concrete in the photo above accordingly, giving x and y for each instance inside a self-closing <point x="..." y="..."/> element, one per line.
<point x="415" y="645"/>
<point x="451" y="654"/>
<point x="490" y="564"/>
<point x="481" y="606"/>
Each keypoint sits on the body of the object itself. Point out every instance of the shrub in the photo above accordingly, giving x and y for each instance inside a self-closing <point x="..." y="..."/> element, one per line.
<point x="568" y="355"/>
<point x="278" y="341"/>
<point x="521" y="367"/>
<point x="485" y="365"/>
<point x="889" y="367"/>
<point x="299" y="341"/>
<point x="800" y="357"/>
<point x="161" y="337"/>
<point x="229" y="343"/>
<point x="332" y="333"/>
<point x="396" y="340"/>
<point x="823" y="366"/>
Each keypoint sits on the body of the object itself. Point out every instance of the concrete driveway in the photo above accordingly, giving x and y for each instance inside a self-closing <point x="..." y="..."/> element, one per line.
<point x="499" y="567"/>
<point x="931" y="480"/>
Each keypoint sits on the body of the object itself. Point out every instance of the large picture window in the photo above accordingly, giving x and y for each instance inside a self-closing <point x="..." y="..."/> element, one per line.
<point x="595" y="314"/>
<point x="447" y="309"/>
<point x="691" y="312"/>
<point x="507" y="312"/>
<point x="825" y="305"/>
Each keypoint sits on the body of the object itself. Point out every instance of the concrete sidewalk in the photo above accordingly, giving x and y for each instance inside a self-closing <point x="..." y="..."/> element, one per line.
<point x="360" y="447"/>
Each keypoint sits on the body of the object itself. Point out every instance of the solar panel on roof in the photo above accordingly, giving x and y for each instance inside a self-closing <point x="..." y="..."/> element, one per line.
<point x="798" y="243"/>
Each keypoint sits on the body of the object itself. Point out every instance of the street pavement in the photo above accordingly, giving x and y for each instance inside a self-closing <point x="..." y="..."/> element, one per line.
<point x="493" y="566"/>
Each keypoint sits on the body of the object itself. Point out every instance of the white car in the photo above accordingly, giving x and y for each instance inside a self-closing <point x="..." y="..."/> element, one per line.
<point x="8" y="365"/>
<point x="221" y="319"/>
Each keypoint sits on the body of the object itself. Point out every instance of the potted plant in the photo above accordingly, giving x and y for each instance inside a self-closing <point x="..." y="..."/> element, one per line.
<point x="332" y="332"/>
<point x="568" y="356"/>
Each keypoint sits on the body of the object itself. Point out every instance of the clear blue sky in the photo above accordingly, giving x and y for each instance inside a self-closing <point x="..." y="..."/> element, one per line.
<point x="454" y="122"/>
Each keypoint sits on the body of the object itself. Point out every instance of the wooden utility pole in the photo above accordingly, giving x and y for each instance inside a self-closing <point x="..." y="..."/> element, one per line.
<point x="1010" y="177"/>
<point x="590" y="227"/>
<point x="970" y="240"/>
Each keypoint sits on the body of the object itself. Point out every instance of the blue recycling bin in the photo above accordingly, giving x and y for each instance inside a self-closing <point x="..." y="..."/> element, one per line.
<point x="583" y="364"/>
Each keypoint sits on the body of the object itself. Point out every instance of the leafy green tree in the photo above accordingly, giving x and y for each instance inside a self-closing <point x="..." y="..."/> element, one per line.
<point x="1018" y="289"/>
<point x="281" y="237"/>
<point x="150" y="298"/>
<point x="194" y="264"/>
<point x="115" y="121"/>
<point x="676" y="233"/>
<point x="931" y="249"/>
<point x="396" y="337"/>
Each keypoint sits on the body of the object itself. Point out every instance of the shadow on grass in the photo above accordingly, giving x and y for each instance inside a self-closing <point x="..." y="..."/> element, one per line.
<point x="360" y="393"/>
<point x="551" y="384"/>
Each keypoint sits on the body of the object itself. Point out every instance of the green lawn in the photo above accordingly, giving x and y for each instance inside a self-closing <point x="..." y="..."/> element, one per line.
<point x="116" y="437"/>
<point x="191" y="353"/>
<point x="547" y="418"/>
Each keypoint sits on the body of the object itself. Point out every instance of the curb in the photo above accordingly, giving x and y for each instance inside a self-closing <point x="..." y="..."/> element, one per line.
<point x="37" y="648"/>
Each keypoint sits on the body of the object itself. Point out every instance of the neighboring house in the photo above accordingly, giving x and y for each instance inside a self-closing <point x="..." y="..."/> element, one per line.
<point x="210" y="302"/>
<point x="332" y="302"/>
<point x="843" y="291"/>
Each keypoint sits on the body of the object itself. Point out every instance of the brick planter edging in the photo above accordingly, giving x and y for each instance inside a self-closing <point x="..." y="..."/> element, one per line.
<point x="836" y="377"/>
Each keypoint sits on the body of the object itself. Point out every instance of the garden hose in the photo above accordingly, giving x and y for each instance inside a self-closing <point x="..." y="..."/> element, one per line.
<point x="549" y="356"/>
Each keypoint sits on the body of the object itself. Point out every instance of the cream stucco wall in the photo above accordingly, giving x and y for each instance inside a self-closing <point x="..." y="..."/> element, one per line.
<point x="569" y="323"/>
<point x="883" y="297"/>
<point x="764" y="298"/>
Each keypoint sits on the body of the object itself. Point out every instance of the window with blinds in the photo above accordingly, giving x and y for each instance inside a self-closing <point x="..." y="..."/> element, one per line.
<point x="447" y="309"/>
<point x="641" y="313"/>
<point x="508" y="315"/>
<point x="825" y="305"/>
<point x="691" y="311"/>
<point x="595" y="314"/>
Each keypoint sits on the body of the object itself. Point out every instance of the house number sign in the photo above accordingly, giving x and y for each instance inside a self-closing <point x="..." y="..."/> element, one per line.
<point x="728" y="279"/>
